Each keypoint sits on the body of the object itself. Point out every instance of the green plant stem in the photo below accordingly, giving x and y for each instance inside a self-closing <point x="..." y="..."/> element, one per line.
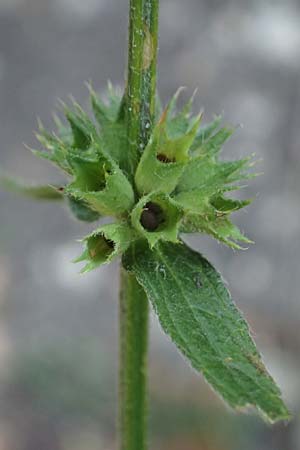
<point x="140" y="111"/>
<point x="133" y="364"/>
<point x="142" y="61"/>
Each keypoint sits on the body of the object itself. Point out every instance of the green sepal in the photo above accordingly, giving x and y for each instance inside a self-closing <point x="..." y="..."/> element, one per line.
<point x="46" y="192"/>
<point x="113" y="130"/>
<point x="204" y="172"/>
<point x="197" y="312"/>
<point x="213" y="145"/>
<point x="82" y="211"/>
<point x="101" y="184"/>
<point x="220" y="227"/>
<point x="206" y="132"/>
<point x="56" y="149"/>
<point x="105" y="113"/>
<point x="164" y="159"/>
<point x="228" y="205"/>
<point x="83" y="129"/>
<point x="206" y="214"/>
<point x="63" y="131"/>
<point x="158" y="222"/>
<point x="178" y="123"/>
<point x="104" y="244"/>
<point x="202" y="202"/>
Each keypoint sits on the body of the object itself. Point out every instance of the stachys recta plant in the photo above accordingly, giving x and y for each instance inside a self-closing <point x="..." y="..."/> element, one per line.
<point x="157" y="174"/>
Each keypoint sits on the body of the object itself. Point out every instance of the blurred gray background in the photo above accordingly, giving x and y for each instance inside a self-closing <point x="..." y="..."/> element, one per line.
<point x="58" y="330"/>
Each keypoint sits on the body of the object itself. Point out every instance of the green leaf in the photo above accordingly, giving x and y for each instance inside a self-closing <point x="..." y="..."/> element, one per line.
<point x="195" y="309"/>
<point x="157" y="217"/>
<point x="46" y="192"/>
<point x="105" y="244"/>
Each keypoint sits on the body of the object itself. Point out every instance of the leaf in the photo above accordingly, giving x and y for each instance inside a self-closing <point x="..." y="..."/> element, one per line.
<point x="46" y="192"/>
<point x="157" y="217"/>
<point x="195" y="309"/>
<point x="105" y="244"/>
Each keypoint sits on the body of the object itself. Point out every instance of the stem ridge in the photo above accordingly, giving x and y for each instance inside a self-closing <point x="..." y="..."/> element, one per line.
<point x="140" y="112"/>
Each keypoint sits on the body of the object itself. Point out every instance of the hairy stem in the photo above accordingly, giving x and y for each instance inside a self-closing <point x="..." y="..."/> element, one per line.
<point x="133" y="364"/>
<point x="141" y="83"/>
<point x="140" y="110"/>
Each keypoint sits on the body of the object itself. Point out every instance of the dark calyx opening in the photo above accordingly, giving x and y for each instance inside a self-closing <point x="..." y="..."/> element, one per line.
<point x="165" y="159"/>
<point x="152" y="216"/>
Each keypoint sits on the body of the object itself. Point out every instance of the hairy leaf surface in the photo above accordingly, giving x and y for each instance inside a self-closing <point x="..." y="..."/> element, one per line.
<point x="196" y="310"/>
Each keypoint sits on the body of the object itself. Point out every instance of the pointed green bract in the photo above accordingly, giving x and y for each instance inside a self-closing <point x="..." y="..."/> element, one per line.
<point x="203" y="172"/>
<point x="195" y="309"/>
<point x="178" y="123"/>
<point x="46" y="192"/>
<point x="105" y="244"/>
<point x="113" y="134"/>
<point x="221" y="228"/>
<point x="205" y="133"/>
<point x="56" y="149"/>
<point x="210" y="215"/>
<point x="201" y="188"/>
<point x="213" y="144"/>
<point x="83" y="129"/>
